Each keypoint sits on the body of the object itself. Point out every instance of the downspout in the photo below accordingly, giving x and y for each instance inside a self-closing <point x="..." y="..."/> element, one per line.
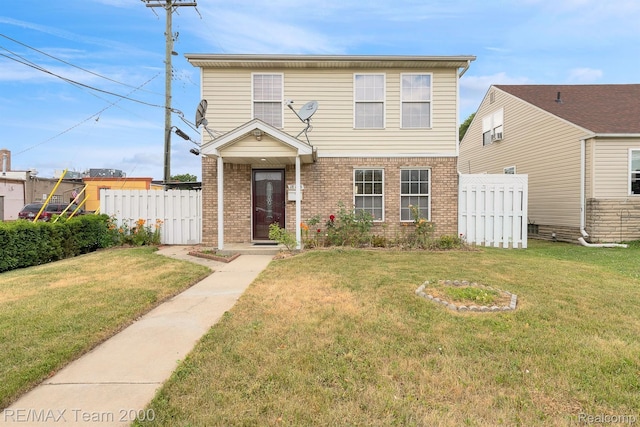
<point x="464" y="70"/>
<point x="583" y="213"/>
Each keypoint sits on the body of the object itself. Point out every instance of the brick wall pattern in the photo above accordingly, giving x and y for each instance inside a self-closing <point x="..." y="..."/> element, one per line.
<point x="326" y="183"/>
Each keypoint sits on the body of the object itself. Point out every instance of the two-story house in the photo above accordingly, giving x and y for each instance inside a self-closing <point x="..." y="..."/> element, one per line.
<point x="579" y="146"/>
<point x="384" y="137"/>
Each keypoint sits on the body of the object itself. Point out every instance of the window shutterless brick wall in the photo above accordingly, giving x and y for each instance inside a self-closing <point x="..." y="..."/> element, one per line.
<point x="326" y="183"/>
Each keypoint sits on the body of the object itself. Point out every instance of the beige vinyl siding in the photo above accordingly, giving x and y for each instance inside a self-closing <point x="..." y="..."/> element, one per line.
<point x="333" y="133"/>
<point x="539" y="145"/>
<point x="229" y="103"/>
<point x="266" y="147"/>
<point x="611" y="165"/>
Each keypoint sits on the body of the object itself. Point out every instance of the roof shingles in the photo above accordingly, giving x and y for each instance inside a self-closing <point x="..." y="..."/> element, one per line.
<point x="601" y="109"/>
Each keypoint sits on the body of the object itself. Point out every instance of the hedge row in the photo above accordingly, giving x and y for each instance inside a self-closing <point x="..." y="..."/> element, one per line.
<point x="25" y="243"/>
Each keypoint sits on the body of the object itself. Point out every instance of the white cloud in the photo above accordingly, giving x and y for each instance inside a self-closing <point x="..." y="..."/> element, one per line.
<point x="584" y="75"/>
<point x="248" y="32"/>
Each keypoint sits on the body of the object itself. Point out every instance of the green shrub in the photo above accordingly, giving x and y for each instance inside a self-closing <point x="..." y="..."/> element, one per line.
<point x="282" y="236"/>
<point x="349" y="227"/>
<point x="25" y="243"/>
<point x="447" y="242"/>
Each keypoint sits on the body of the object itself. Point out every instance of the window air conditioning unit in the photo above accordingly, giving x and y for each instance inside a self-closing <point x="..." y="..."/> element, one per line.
<point x="496" y="136"/>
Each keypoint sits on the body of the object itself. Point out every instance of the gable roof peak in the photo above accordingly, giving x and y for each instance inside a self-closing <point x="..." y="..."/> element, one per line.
<point x="600" y="108"/>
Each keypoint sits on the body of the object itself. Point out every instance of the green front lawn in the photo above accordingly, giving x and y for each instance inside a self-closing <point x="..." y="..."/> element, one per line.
<point x="53" y="313"/>
<point x="338" y="337"/>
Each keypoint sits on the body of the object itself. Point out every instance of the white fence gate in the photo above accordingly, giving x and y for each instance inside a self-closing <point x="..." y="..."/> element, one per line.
<point x="179" y="210"/>
<point x="492" y="210"/>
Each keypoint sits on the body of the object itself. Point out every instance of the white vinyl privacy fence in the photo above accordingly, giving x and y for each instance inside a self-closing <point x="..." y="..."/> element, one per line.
<point x="179" y="210"/>
<point x="492" y="210"/>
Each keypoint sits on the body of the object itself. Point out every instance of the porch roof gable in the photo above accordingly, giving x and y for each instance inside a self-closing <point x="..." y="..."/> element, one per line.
<point x="218" y="145"/>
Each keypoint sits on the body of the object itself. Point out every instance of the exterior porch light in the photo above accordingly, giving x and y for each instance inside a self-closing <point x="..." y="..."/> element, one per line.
<point x="257" y="133"/>
<point x="181" y="134"/>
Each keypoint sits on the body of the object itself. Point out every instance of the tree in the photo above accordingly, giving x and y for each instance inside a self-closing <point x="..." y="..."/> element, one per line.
<point x="464" y="126"/>
<point x="185" y="177"/>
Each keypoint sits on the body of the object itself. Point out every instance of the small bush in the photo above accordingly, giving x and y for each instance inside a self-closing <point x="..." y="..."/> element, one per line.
<point x="282" y="236"/>
<point x="447" y="242"/>
<point x="379" y="241"/>
<point x="349" y="227"/>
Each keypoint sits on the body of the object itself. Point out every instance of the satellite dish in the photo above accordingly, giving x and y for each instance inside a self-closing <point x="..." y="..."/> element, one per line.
<point x="304" y="115"/>
<point x="308" y="110"/>
<point x="200" y="113"/>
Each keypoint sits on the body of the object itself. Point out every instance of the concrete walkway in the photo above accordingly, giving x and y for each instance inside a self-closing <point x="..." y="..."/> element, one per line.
<point x="111" y="385"/>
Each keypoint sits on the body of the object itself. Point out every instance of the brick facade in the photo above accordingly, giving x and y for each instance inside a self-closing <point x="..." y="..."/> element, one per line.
<point x="607" y="221"/>
<point x="326" y="183"/>
<point x="613" y="220"/>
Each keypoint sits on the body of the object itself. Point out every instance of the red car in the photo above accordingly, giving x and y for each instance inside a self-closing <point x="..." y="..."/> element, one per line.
<point x="30" y="211"/>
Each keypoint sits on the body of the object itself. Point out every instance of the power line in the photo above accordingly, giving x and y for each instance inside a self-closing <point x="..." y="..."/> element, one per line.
<point x="74" y="82"/>
<point x="96" y="115"/>
<point x="68" y="63"/>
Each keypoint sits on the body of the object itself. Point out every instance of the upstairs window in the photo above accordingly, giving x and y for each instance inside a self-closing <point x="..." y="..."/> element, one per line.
<point x="634" y="171"/>
<point x="369" y="101"/>
<point x="368" y="184"/>
<point x="267" y="98"/>
<point x="416" y="101"/>
<point x="492" y="127"/>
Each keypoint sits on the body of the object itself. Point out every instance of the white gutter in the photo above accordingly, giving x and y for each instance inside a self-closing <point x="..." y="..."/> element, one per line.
<point x="464" y="70"/>
<point x="583" y="213"/>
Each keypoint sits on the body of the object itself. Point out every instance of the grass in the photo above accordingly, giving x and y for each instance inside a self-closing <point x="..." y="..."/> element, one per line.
<point x="53" y="313"/>
<point x="338" y="337"/>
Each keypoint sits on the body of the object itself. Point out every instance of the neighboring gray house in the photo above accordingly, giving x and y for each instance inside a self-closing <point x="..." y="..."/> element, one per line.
<point x="580" y="147"/>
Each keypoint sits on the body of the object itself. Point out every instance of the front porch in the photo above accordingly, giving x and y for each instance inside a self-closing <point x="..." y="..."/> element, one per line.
<point x="244" y="184"/>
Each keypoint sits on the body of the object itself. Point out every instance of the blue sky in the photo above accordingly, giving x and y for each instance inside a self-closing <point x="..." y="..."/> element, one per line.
<point x="117" y="46"/>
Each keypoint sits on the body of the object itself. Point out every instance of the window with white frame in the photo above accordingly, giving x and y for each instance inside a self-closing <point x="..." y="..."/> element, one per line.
<point x="634" y="171"/>
<point x="369" y="101"/>
<point x="416" y="101"/>
<point x="369" y="190"/>
<point x="267" y="98"/>
<point x="492" y="127"/>
<point x="510" y="170"/>
<point x="414" y="193"/>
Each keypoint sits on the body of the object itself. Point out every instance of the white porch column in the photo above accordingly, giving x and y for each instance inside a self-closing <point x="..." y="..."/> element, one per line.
<point x="298" y="205"/>
<point x="220" y="203"/>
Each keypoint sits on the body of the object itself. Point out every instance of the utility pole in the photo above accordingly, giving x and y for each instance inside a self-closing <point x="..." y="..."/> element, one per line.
<point x="170" y="6"/>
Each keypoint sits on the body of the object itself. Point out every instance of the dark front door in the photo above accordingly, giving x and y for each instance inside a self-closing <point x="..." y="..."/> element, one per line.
<point x="268" y="201"/>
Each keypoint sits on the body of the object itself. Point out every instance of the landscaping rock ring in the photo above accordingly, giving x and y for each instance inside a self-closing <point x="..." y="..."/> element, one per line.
<point x="450" y="304"/>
